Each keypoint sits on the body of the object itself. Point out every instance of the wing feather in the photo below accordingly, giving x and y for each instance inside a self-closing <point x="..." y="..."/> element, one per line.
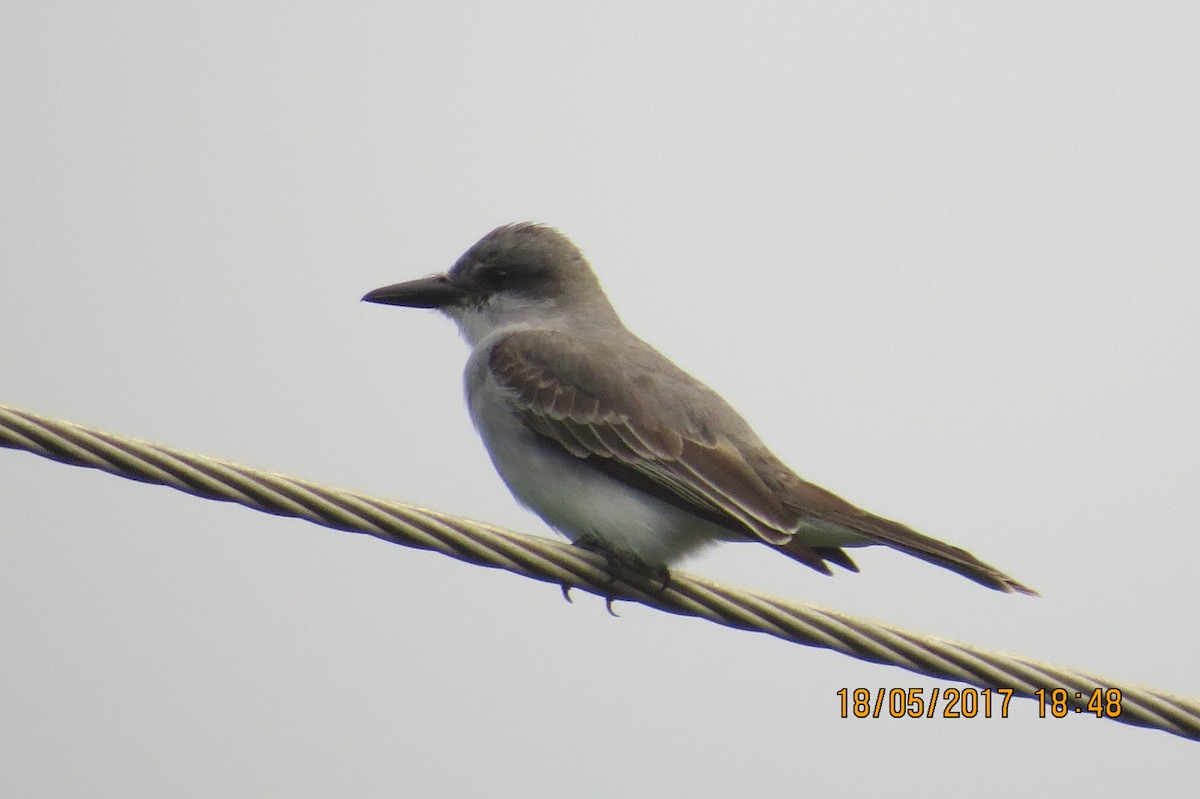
<point x="553" y="381"/>
<point x="647" y="430"/>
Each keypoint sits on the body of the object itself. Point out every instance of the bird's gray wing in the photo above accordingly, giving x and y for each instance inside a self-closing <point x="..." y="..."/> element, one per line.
<point x="660" y="430"/>
<point x="645" y="428"/>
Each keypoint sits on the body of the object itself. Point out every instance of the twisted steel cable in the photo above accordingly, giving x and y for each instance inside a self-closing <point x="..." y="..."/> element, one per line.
<point x="562" y="564"/>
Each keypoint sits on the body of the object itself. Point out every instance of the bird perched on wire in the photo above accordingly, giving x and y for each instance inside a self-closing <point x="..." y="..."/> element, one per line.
<point x="615" y="446"/>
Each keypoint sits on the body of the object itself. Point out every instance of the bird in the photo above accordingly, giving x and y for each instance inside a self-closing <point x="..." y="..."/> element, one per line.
<point x="612" y="444"/>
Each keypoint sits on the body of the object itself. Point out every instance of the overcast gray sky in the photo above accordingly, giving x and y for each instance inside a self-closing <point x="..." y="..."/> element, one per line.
<point x="943" y="257"/>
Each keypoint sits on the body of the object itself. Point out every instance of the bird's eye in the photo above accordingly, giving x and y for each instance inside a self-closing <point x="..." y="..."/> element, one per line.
<point x="493" y="276"/>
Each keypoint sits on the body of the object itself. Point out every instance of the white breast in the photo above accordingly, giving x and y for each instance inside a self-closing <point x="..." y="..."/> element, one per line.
<point x="572" y="496"/>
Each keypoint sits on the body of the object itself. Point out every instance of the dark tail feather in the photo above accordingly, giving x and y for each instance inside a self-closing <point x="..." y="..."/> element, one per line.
<point x="970" y="567"/>
<point x="823" y="509"/>
<point x="837" y="555"/>
<point x="815" y="557"/>
<point x="897" y="536"/>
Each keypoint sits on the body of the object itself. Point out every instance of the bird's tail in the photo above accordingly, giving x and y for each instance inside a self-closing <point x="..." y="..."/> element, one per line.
<point x="897" y="536"/>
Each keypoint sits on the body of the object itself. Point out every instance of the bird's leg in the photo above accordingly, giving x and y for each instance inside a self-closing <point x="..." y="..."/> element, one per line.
<point x="612" y="562"/>
<point x="615" y="565"/>
<point x="626" y="569"/>
<point x="663" y="575"/>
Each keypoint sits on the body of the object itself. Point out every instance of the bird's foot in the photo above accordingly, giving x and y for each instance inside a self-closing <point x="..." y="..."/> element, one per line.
<point x="653" y="579"/>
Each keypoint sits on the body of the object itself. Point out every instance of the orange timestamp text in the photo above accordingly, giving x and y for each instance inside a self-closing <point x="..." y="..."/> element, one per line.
<point x="969" y="703"/>
<point x="947" y="703"/>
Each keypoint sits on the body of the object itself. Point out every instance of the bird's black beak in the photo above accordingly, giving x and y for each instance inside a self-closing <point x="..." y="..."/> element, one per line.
<point x="427" y="292"/>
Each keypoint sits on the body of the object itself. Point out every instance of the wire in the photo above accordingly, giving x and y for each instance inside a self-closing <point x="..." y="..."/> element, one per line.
<point x="568" y="566"/>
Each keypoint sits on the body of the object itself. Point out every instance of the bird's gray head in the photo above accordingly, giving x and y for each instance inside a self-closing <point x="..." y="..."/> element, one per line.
<point x="521" y="274"/>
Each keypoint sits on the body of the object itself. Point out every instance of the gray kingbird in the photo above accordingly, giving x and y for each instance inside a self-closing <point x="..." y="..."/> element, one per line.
<point x="611" y="443"/>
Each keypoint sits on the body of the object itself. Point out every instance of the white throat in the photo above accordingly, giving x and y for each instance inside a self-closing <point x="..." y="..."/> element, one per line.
<point x="504" y="311"/>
